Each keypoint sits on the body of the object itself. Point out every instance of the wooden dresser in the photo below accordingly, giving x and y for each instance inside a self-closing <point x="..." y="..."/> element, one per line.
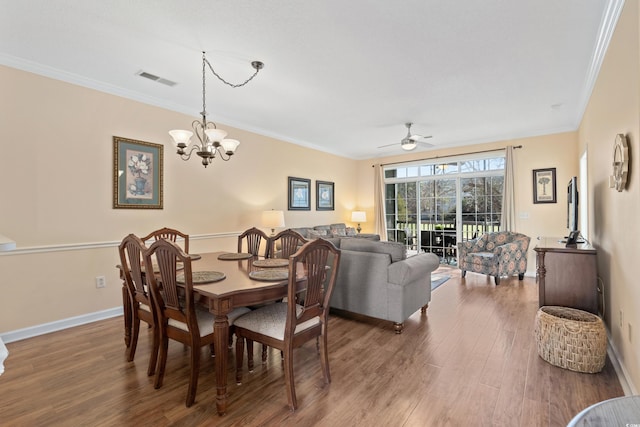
<point x="567" y="276"/>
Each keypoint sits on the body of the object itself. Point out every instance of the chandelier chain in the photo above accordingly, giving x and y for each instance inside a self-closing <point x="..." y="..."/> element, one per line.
<point x="257" y="68"/>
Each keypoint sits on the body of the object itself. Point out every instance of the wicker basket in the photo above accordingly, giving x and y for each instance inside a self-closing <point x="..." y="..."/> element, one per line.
<point x="571" y="339"/>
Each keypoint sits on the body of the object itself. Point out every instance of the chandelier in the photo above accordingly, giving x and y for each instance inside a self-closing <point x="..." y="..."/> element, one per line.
<point x="212" y="140"/>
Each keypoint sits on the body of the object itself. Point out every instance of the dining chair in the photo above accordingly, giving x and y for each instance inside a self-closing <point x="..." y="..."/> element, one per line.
<point x="254" y="238"/>
<point x="168" y="234"/>
<point x="289" y="241"/>
<point x="288" y="325"/>
<point x="138" y="297"/>
<point x="179" y="317"/>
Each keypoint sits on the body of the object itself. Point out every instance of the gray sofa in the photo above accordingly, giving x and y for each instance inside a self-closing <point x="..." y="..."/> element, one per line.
<point x="377" y="280"/>
<point x="332" y="231"/>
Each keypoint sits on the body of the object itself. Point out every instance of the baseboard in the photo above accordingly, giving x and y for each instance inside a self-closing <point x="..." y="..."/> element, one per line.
<point x="626" y="383"/>
<point x="58" y="325"/>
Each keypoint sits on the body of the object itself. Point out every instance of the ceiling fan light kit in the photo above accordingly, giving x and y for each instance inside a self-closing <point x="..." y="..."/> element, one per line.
<point x="410" y="142"/>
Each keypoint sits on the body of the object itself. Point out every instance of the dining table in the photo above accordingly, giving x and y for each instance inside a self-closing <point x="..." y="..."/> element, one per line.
<point x="237" y="289"/>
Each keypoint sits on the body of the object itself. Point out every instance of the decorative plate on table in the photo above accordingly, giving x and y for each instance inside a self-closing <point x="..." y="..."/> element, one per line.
<point x="271" y="262"/>
<point x="200" y="277"/>
<point x="229" y="256"/>
<point x="269" y="275"/>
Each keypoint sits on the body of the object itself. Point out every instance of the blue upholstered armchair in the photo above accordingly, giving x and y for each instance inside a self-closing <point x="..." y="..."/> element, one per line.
<point x="503" y="253"/>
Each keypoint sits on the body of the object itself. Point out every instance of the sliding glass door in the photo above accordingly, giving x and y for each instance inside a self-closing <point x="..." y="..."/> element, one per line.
<point x="430" y="207"/>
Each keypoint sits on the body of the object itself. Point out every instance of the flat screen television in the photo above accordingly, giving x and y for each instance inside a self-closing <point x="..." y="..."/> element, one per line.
<point x="572" y="204"/>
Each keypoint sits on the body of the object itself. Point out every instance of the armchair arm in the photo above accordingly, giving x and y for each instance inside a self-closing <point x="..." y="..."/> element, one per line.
<point x="467" y="247"/>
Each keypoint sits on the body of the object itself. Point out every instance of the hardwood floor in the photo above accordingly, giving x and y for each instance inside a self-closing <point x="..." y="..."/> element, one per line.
<point x="471" y="360"/>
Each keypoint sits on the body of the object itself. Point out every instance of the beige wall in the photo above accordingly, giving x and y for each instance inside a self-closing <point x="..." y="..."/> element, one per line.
<point x="549" y="151"/>
<point x="56" y="172"/>
<point x="614" y="108"/>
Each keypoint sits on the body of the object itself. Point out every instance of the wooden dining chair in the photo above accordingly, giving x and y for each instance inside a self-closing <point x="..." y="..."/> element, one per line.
<point x="288" y="325"/>
<point x="253" y="238"/>
<point x="139" y="299"/>
<point x="179" y="317"/>
<point x="168" y="234"/>
<point x="289" y="241"/>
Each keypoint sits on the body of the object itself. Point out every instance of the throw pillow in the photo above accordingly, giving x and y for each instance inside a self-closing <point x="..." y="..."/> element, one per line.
<point x="338" y="232"/>
<point x="351" y="231"/>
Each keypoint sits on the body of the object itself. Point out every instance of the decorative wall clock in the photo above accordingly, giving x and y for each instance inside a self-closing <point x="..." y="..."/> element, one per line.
<point x="620" y="163"/>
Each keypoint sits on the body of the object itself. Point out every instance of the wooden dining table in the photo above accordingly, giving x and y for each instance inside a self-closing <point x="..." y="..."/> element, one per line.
<point x="237" y="289"/>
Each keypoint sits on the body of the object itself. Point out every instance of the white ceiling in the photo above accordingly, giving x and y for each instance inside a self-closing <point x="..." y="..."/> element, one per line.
<point x="342" y="76"/>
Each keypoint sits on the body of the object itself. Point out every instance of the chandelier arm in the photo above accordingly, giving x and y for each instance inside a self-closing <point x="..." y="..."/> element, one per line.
<point x="222" y="154"/>
<point x="256" y="64"/>
<point x="186" y="156"/>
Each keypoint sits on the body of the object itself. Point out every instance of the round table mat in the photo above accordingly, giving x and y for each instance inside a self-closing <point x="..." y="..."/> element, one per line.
<point x="200" y="277"/>
<point x="195" y="257"/>
<point x="271" y="262"/>
<point x="229" y="256"/>
<point x="269" y="275"/>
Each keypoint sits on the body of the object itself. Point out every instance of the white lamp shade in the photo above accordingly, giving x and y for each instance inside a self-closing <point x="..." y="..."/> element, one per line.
<point x="181" y="136"/>
<point x="229" y="145"/>
<point x="358" y="216"/>
<point x="272" y="219"/>
<point x="215" y="135"/>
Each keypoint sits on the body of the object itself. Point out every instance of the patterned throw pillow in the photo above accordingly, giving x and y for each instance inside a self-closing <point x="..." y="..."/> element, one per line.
<point x="351" y="231"/>
<point x="338" y="232"/>
<point x="314" y="234"/>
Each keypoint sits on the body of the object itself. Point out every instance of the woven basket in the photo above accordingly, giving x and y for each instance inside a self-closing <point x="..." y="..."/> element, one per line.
<point x="571" y="339"/>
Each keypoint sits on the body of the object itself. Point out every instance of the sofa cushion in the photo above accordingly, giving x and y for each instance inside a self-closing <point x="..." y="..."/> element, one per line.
<point x="338" y="232"/>
<point x="396" y="250"/>
<point x="351" y="232"/>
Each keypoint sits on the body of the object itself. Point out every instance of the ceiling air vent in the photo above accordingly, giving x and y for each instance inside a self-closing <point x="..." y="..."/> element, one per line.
<point x="155" y="78"/>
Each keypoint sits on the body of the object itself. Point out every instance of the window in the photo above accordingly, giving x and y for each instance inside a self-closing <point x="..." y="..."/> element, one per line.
<point x="432" y="205"/>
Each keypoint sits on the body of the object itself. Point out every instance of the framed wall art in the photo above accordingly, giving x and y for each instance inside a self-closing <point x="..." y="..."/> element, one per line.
<point x="137" y="174"/>
<point x="544" y="185"/>
<point x="324" y="196"/>
<point x="299" y="194"/>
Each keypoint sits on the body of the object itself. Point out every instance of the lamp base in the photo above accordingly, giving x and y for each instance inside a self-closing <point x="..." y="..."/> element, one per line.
<point x="359" y="229"/>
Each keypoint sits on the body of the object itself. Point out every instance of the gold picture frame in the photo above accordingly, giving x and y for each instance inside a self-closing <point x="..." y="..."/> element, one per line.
<point x="137" y="174"/>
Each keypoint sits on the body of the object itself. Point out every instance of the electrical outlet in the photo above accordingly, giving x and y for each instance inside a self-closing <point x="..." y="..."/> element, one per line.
<point x="620" y="319"/>
<point x="101" y="282"/>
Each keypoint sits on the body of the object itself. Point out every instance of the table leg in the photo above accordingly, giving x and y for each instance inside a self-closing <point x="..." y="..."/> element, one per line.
<point x="221" y="340"/>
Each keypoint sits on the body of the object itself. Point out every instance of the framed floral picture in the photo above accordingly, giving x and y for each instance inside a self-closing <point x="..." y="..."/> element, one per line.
<point x="544" y="185"/>
<point x="324" y="196"/>
<point x="299" y="197"/>
<point x="137" y="174"/>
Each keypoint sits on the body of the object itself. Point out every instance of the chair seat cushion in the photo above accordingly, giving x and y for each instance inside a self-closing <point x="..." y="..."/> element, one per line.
<point x="270" y="320"/>
<point x="205" y="320"/>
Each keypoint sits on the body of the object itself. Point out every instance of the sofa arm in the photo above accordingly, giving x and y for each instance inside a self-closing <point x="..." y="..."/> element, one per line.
<point x="413" y="268"/>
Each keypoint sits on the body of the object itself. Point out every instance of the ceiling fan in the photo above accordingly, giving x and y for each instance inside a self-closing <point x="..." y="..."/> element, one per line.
<point x="410" y="141"/>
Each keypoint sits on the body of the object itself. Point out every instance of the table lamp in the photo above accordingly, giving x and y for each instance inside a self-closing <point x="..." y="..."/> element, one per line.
<point x="272" y="219"/>
<point x="358" y="216"/>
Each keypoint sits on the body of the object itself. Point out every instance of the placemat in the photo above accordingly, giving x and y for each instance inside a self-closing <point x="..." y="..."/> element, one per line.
<point x="234" y="256"/>
<point x="200" y="277"/>
<point x="271" y="262"/>
<point x="195" y="257"/>
<point x="269" y="275"/>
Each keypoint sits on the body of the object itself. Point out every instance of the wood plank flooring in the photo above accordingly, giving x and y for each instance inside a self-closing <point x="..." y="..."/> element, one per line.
<point x="471" y="360"/>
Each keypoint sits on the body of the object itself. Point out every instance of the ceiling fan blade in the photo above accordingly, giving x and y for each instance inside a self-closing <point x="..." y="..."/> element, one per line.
<point x="389" y="145"/>
<point x="418" y="137"/>
<point x="426" y="144"/>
